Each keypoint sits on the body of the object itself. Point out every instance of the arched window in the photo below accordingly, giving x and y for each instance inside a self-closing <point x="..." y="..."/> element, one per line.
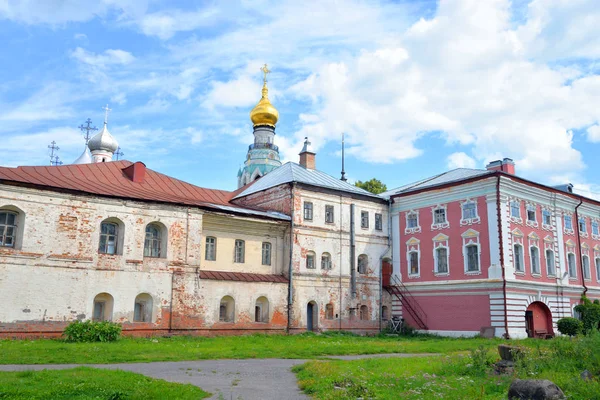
<point x="240" y="251"/>
<point x="363" y="264"/>
<point x="227" y="309"/>
<point x="103" y="307"/>
<point x="384" y="313"/>
<point x="586" y="267"/>
<point x="310" y="260"/>
<point x="329" y="311"/>
<point x="535" y="260"/>
<point x="111" y="232"/>
<point x="413" y="267"/>
<point x="261" y="310"/>
<point x="266" y="253"/>
<point x="441" y="260"/>
<point x="153" y="245"/>
<point x="518" y="258"/>
<point x="364" y="313"/>
<point x="472" y="253"/>
<point x="550" y="270"/>
<point x="8" y="228"/>
<point x="210" y="251"/>
<point x="572" y="265"/>
<point x="142" y="310"/>
<point x="326" y="261"/>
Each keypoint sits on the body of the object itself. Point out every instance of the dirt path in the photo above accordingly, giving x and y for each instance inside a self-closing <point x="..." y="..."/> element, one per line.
<point x="227" y="379"/>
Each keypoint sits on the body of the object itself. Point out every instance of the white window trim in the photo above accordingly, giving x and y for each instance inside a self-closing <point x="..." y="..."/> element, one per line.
<point x="597" y="266"/>
<point x="568" y="231"/>
<point x="521" y="259"/>
<point x="531" y="207"/>
<point x="417" y="229"/>
<point x="441" y="241"/>
<point x="545" y="226"/>
<point x="519" y="219"/>
<point x="572" y="278"/>
<point x="469" y="221"/>
<point x="595" y="236"/>
<point x="539" y="273"/>
<point x="413" y="245"/>
<point x="439" y="225"/>
<point x="584" y="233"/>
<point x="553" y="274"/>
<point x="583" y="257"/>
<point x="470" y="238"/>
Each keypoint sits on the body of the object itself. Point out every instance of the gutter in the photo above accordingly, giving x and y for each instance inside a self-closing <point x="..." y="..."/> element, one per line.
<point x="501" y="249"/>
<point x="291" y="267"/>
<point x="585" y="289"/>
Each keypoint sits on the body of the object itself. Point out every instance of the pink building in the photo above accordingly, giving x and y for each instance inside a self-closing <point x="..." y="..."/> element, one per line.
<point x="477" y="249"/>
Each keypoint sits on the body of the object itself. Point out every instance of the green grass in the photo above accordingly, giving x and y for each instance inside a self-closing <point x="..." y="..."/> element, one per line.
<point x="201" y="348"/>
<point x="88" y="383"/>
<point x="464" y="376"/>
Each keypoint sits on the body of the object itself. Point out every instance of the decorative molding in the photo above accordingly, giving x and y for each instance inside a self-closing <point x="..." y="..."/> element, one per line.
<point x="439" y="225"/>
<point x="417" y="229"/>
<point x="469" y="221"/>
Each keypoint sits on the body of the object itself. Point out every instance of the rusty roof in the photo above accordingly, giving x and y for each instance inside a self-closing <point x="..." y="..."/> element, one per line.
<point x="108" y="179"/>
<point x="242" y="277"/>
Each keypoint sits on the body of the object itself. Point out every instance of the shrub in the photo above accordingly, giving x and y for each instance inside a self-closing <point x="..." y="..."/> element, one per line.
<point x="569" y="326"/>
<point x="89" y="331"/>
<point x="590" y="314"/>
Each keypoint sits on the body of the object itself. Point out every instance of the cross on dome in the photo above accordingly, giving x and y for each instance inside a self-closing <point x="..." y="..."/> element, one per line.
<point x="106" y="111"/>
<point x="265" y="71"/>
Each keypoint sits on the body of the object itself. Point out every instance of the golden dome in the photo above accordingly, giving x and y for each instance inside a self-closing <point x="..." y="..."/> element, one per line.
<point x="264" y="113"/>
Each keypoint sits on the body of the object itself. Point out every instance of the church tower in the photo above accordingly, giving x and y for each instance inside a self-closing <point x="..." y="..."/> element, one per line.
<point x="263" y="155"/>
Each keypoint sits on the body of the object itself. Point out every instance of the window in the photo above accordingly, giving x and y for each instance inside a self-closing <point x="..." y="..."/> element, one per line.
<point x="586" y="267"/>
<point x="266" y="253"/>
<point x="572" y="265"/>
<point x="364" y="219"/>
<point x="469" y="210"/>
<point x="329" y="214"/>
<point x="595" y="230"/>
<point x="152" y="244"/>
<point x="8" y="228"/>
<point x="329" y="311"/>
<point x="515" y="209"/>
<point x="439" y="216"/>
<point x="109" y="236"/>
<point x="261" y="310"/>
<point x="308" y="211"/>
<point x="441" y="255"/>
<point x="363" y="264"/>
<point x="240" y="251"/>
<point x="310" y="260"/>
<point x="546" y="217"/>
<point x="550" y="263"/>
<point x="531" y="215"/>
<point x="518" y="258"/>
<point x="227" y="309"/>
<point x="534" y="253"/>
<point x="142" y="310"/>
<point x="326" y="261"/>
<point x="364" y="313"/>
<point x="597" y="262"/>
<point x="384" y="313"/>
<point x="412" y="220"/>
<point x="103" y="307"/>
<point x="568" y="222"/>
<point x="414" y="263"/>
<point x="210" y="252"/>
<point x="378" y="222"/>
<point x="472" y="251"/>
<point x="582" y="227"/>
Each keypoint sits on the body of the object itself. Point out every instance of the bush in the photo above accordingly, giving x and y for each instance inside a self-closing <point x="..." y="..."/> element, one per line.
<point x="89" y="331"/>
<point x="569" y="326"/>
<point x="590" y="314"/>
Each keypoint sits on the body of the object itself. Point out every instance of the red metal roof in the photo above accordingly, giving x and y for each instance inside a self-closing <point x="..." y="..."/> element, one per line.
<point x="108" y="179"/>
<point x="242" y="277"/>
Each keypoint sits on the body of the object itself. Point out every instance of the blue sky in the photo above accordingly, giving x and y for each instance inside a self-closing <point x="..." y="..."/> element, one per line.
<point x="418" y="87"/>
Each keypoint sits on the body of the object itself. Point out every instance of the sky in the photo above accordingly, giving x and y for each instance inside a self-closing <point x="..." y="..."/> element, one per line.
<point x="417" y="87"/>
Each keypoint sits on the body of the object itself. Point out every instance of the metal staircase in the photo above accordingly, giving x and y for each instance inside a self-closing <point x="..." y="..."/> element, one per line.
<point x="397" y="289"/>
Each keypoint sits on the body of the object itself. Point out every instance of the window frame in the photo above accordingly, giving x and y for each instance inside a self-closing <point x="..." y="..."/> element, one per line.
<point x="468" y="258"/>
<point x="116" y="241"/>
<point x="308" y="210"/>
<point x="326" y="265"/>
<point x="534" y="260"/>
<point x="6" y="226"/>
<point x="158" y="241"/>
<point x="410" y="263"/>
<point x="408" y="217"/>
<point x="469" y="205"/>
<point x="595" y="229"/>
<point x="571" y="256"/>
<point x="569" y="228"/>
<point x="550" y="263"/>
<point x="310" y="255"/>
<point x="362" y="264"/>
<point x="515" y="205"/>
<point x="438" y="259"/>
<point x="520" y="257"/>
<point x="266" y="253"/>
<point x="364" y="219"/>
<point x="597" y="265"/>
<point x="587" y="273"/>
<point x="436" y="211"/>
<point x="378" y="221"/>
<point x="239" y="251"/>
<point x="208" y="246"/>
<point x="329" y="214"/>
<point x="546" y="213"/>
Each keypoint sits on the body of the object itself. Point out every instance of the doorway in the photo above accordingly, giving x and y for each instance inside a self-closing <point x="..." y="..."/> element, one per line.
<point x="538" y="320"/>
<point x="311" y="322"/>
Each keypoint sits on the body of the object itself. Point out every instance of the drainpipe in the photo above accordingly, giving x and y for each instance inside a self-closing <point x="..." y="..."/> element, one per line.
<point x="352" y="252"/>
<point x="585" y="289"/>
<point x="171" y="303"/>
<point x="341" y="260"/>
<point x="501" y="248"/>
<point x="291" y="266"/>
<point x="389" y="246"/>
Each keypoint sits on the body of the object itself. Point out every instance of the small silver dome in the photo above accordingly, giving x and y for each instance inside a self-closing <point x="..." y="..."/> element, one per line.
<point x="84" y="158"/>
<point x="103" y="141"/>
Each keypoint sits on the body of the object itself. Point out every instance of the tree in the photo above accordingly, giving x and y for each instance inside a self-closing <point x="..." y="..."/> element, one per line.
<point x="569" y="326"/>
<point x="590" y="314"/>
<point x="374" y="186"/>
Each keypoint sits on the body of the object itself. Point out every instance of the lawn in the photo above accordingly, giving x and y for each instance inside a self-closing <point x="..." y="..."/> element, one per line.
<point x="88" y="383"/>
<point x="200" y="348"/>
<point x="465" y="376"/>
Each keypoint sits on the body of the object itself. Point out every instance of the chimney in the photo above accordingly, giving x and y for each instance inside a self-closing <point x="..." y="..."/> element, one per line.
<point x="307" y="155"/>
<point x="506" y="165"/>
<point x="136" y="172"/>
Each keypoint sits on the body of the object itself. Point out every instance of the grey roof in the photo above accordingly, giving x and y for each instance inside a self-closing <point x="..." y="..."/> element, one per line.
<point x="84" y="158"/>
<point x="454" y="175"/>
<point x="240" y="210"/>
<point x="292" y="172"/>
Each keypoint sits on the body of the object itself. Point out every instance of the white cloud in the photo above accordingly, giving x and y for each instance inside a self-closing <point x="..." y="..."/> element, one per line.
<point x="593" y="133"/>
<point x="80" y="36"/>
<point x="109" y="57"/>
<point x="165" y="24"/>
<point x="460" y="160"/>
